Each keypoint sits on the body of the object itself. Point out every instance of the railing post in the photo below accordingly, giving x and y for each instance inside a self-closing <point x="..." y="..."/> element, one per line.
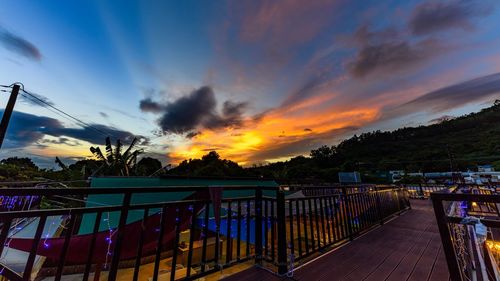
<point x="379" y="208"/>
<point x="280" y="205"/>
<point x="444" y="231"/>
<point x="407" y="198"/>
<point x="4" y="233"/>
<point x="258" y="226"/>
<point x="119" y="238"/>
<point x="397" y="201"/>
<point x="348" y="212"/>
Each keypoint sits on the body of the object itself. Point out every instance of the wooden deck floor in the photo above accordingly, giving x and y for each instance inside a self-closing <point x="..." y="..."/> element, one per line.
<point x="406" y="248"/>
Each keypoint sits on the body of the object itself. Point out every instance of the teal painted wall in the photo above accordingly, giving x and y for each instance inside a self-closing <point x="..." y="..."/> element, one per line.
<point x="88" y="220"/>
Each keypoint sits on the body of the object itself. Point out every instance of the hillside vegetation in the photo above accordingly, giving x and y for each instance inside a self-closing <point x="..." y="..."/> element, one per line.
<point x="469" y="140"/>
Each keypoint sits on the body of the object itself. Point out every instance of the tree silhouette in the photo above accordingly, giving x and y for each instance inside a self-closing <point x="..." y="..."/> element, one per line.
<point x="115" y="162"/>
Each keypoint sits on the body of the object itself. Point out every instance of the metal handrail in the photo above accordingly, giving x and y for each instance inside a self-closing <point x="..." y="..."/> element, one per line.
<point x="327" y="220"/>
<point x="446" y="221"/>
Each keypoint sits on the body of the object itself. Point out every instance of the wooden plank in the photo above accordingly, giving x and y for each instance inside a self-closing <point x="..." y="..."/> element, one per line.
<point x="366" y="267"/>
<point x="423" y="268"/>
<point x="340" y="262"/>
<point x="440" y="268"/>
<point x="394" y="260"/>
<point x="409" y="262"/>
<point x="399" y="229"/>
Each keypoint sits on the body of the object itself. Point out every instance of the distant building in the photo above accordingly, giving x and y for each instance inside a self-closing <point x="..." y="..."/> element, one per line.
<point x="349" y="177"/>
<point x="485" y="168"/>
<point x="396" y="175"/>
<point x="484" y="177"/>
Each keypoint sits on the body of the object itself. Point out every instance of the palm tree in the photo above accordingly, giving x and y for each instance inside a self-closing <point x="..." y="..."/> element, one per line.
<point x="115" y="162"/>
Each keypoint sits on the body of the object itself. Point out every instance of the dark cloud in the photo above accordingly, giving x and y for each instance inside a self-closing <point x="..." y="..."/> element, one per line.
<point x="393" y="49"/>
<point x="103" y="114"/>
<point x="61" y="140"/>
<point x="191" y="135"/>
<point x="148" y="105"/>
<point x="186" y="113"/>
<point x="91" y="135"/>
<point x="193" y="111"/>
<point x="232" y="114"/>
<point x="392" y="56"/>
<point x="26" y="129"/>
<point x="233" y="109"/>
<point x="19" y="45"/>
<point x="453" y="96"/>
<point x="436" y="16"/>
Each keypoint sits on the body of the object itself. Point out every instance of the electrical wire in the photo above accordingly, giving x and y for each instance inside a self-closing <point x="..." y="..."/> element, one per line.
<point x="56" y="110"/>
<point x="47" y="104"/>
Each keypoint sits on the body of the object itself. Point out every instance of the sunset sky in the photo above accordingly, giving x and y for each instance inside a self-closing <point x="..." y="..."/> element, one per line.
<point x="257" y="81"/>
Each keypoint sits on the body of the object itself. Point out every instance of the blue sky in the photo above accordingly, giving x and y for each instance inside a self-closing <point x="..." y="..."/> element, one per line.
<point x="255" y="80"/>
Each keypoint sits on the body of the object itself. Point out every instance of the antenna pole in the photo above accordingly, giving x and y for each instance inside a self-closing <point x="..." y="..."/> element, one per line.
<point x="8" y="112"/>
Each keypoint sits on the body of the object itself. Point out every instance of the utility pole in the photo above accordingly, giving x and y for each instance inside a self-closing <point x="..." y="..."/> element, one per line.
<point x="8" y="112"/>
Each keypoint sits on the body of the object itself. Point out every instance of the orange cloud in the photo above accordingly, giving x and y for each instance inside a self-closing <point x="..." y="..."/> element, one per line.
<point x="286" y="131"/>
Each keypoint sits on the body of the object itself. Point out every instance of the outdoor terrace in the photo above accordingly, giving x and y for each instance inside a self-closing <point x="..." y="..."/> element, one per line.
<point x="408" y="247"/>
<point x="182" y="239"/>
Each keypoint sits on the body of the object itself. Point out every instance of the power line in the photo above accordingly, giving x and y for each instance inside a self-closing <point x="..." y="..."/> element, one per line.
<point x="56" y="110"/>
<point x="5" y="90"/>
<point x="47" y="104"/>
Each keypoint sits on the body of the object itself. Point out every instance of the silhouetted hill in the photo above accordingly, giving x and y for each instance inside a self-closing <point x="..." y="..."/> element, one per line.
<point x="469" y="140"/>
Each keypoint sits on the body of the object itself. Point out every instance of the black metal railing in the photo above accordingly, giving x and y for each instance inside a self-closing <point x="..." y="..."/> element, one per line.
<point x="183" y="239"/>
<point x="424" y="190"/>
<point x="469" y="226"/>
<point x="317" y="222"/>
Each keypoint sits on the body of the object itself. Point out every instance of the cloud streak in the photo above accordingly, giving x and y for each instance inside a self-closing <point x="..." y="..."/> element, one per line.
<point x="452" y="96"/>
<point x="387" y="51"/>
<point x="299" y="146"/>
<point x="19" y="45"/>
<point x="433" y="16"/>
<point x="391" y="56"/>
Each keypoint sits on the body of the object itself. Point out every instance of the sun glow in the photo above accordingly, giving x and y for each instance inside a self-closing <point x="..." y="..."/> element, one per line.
<point x="275" y="131"/>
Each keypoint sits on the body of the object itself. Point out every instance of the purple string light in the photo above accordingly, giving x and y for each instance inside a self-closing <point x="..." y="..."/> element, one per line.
<point x="108" y="240"/>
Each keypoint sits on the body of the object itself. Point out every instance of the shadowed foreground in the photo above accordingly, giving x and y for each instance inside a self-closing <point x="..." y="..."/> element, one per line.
<point x="406" y="248"/>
